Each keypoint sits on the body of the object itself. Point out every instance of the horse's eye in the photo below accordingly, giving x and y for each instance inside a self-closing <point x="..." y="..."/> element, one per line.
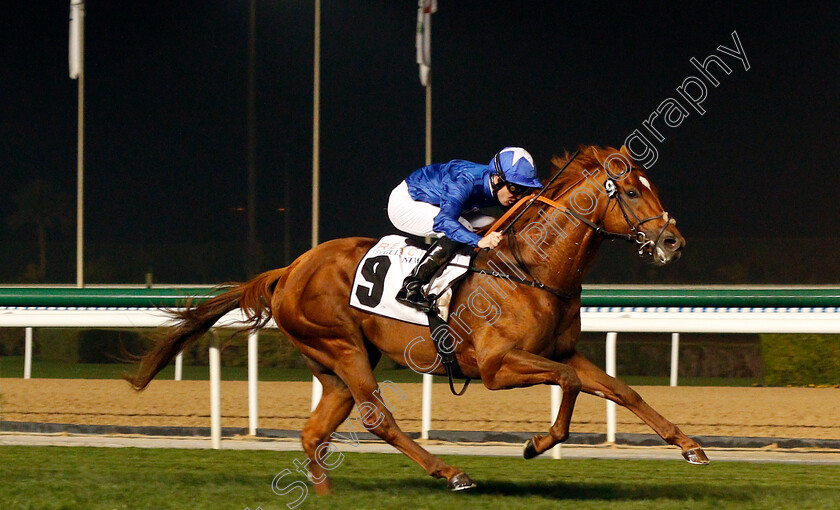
<point x="632" y="193"/>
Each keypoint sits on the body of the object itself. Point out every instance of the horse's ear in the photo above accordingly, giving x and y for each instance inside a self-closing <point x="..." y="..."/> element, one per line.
<point x="596" y="154"/>
<point x="624" y="151"/>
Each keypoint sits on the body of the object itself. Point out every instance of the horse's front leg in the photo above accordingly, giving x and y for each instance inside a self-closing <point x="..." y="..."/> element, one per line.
<point x="516" y="369"/>
<point x="596" y="382"/>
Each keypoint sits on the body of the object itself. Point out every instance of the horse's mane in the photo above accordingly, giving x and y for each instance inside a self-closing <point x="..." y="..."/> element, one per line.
<point x="589" y="158"/>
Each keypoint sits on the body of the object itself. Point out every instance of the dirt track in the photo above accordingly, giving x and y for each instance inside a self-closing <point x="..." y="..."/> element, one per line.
<point x="765" y="412"/>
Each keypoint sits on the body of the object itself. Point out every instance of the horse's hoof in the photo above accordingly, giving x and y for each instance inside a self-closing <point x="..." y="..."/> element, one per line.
<point x="460" y="482"/>
<point x="530" y="450"/>
<point x="696" y="456"/>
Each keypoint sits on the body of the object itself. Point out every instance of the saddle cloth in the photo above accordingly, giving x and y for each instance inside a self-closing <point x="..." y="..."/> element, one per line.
<point x="380" y="275"/>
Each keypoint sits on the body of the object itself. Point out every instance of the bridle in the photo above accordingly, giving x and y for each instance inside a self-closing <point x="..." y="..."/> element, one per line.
<point x="636" y="235"/>
<point x="645" y="245"/>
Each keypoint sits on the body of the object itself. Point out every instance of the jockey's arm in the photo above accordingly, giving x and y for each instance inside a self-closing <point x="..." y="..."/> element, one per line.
<point x="455" y="194"/>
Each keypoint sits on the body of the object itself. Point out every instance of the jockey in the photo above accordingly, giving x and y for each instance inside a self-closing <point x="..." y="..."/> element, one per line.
<point x="442" y="201"/>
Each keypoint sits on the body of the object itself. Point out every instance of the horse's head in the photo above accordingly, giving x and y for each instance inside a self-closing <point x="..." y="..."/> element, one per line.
<point x="625" y="205"/>
<point x="634" y="208"/>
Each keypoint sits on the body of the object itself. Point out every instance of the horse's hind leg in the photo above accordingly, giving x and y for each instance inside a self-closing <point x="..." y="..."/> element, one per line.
<point x="596" y="382"/>
<point x="376" y="417"/>
<point x="333" y="408"/>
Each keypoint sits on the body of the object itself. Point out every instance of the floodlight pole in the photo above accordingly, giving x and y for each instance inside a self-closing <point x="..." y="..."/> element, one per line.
<point x="429" y="119"/>
<point x="317" y="388"/>
<point x="426" y="405"/>
<point x="80" y="155"/>
<point x="251" y="265"/>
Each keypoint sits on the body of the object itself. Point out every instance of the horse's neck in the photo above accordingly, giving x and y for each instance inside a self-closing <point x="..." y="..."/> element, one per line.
<point x="564" y="255"/>
<point x="562" y="262"/>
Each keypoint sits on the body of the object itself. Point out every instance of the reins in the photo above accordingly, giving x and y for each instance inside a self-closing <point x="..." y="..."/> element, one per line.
<point x="636" y="236"/>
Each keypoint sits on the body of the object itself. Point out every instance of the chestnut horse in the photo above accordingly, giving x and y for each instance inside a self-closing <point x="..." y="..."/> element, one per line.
<point x="531" y="339"/>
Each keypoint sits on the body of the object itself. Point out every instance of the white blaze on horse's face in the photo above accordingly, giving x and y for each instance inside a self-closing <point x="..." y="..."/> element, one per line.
<point x="661" y="240"/>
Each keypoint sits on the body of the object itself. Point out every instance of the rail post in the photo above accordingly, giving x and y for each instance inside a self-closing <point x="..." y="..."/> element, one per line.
<point x="610" y="362"/>
<point x="27" y="354"/>
<point x="675" y="357"/>
<point x="179" y="366"/>
<point x="215" y="392"/>
<point x="556" y="399"/>
<point x="426" y="406"/>
<point x="253" y="408"/>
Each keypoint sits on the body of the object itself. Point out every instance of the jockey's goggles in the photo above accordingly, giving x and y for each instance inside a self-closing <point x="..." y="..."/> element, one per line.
<point x="518" y="189"/>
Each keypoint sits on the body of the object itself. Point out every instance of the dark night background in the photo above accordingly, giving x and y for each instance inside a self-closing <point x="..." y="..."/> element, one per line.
<point x="753" y="182"/>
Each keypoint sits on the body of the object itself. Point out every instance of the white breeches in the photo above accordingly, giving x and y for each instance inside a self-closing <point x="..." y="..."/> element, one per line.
<point x="418" y="218"/>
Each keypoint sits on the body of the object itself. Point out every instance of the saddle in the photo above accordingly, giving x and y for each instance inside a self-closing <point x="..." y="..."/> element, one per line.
<point x="379" y="277"/>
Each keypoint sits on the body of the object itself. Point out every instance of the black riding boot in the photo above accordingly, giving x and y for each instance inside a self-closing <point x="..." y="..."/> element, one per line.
<point x="411" y="293"/>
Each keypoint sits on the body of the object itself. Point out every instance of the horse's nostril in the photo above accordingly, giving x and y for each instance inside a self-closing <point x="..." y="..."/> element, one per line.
<point x="672" y="242"/>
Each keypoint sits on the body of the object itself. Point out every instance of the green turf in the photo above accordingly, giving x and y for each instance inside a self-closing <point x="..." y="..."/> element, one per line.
<point x="12" y="366"/>
<point x="105" y="478"/>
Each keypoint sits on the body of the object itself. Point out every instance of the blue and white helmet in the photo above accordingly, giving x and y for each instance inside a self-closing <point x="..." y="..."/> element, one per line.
<point x="515" y="165"/>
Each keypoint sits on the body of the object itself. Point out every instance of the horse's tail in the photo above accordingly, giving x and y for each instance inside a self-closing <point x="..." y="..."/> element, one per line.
<point x="253" y="297"/>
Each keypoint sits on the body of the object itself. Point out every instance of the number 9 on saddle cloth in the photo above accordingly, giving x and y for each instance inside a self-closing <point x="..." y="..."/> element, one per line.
<point x="380" y="274"/>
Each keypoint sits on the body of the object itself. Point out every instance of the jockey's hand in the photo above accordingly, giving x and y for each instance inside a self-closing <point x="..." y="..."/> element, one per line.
<point x="491" y="240"/>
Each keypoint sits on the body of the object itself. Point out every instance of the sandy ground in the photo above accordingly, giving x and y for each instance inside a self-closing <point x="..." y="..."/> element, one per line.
<point x="764" y="412"/>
